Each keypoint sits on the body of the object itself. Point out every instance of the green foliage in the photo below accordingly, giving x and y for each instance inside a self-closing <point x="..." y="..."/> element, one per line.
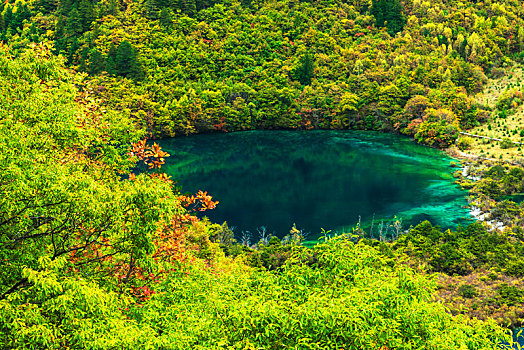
<point x="59" y="312"/>
<point x="461" y="251"/>
<point x="389" y="13"/>
<point x="468" y="291"/>
<point x="82" y="267"/>
<point x="214" y="66"/>
<point x="464" y="143"/>
<point x="510" y="99"/>
<point x="439" y="127"/>
<point x="510" y="295"/>
<point x="79" y="254"/>
<point x="126" y="62"/>
<point x="498" y="181"/>
<point x="60" y="179"/>
<point x="305" y="70"/>
<point x="350" y="298"/>
<point x="507" y="143"/>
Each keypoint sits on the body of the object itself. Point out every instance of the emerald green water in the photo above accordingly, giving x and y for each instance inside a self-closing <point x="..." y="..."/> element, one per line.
<point x="317" y="179"/>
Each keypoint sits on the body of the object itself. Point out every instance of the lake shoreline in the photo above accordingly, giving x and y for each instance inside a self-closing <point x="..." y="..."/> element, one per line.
<point x="480" y="208"/>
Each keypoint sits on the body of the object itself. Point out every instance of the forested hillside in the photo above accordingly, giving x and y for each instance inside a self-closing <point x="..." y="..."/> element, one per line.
<point x="178" y="67"/>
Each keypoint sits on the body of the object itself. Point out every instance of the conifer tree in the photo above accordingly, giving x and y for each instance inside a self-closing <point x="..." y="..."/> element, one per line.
<point x="96" y="62"/>
<point x="8" y="16"/>
<point x="74" y="23"/>
<point x="388" y="13"/>
<point x="73" y="47"/>
<point x="83" y="59"/>
<point x="47" y="6"/>
<point x="126" y="61"/>
<point x="110" y="60"/>
<point x="86" y="14"/>
<point x="188" y="7"/>
<point x="111" y="66"/>
<point x="22" y="13"/>
<point x="151" y="9"/>
<point x="165" y="18"/>
<point x="202" y="4"/>
<point x="305" y="70"/>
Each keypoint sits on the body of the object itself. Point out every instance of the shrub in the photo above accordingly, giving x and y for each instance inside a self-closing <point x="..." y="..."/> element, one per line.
<point x="464" y="143"/>
<point x="507" y="143"/>
<point x="515" y="268"/>
<point x="509" y="295"/>
<point x="509" y="100"/>
<point x="468" y="291"/>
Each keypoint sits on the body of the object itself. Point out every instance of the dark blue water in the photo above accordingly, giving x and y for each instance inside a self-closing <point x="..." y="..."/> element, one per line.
<point x="317" y="179"/>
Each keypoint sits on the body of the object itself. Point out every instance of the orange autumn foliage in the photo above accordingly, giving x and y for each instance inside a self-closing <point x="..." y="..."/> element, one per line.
<point x="201" y="202"/>
<point x="152" y="156"/>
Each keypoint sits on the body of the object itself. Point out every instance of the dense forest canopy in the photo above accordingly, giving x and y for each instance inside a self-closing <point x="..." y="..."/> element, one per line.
<point x="178" y="67"/>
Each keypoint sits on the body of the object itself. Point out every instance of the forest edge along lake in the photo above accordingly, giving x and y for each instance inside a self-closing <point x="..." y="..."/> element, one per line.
<point x="317" y="180"/>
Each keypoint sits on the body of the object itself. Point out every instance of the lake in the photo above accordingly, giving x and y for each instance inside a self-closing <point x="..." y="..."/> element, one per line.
<point x="317" y="180"/>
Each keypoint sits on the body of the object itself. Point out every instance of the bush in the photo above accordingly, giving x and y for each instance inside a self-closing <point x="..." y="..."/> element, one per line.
<point x="509" y="99"/>
<point x="464" y="143"/>
<point x="507" y="143"/>
<point x="515" y="269"/>
<point x="509" y="295"/>
<point x="350" y="298"/>
<point x="468" y="291"/>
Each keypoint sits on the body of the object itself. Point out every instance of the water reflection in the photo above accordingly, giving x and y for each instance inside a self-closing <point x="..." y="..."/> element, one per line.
<point x="316" y="179"/>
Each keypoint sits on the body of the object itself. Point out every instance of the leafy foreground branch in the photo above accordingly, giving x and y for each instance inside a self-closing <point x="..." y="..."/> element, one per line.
<point x="350" y="298"/>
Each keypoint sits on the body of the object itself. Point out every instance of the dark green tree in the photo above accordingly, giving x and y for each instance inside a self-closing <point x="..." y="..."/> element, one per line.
<point x="304" y="72"/>
<point x="83" y="59"/>
<point x="110" y="60"/>
<point x="165" y="18"/>
<point x="113" y="7"/>
<point x="111" y="66"/>
<point x="22" y="13"/>
<point x="86" y="14"/>
<point x="151" y="9"/>
<point x="126" y="61"/>
<point x="389" y="13"/>
<point x="247" y="3"/>
<point x="96" y="62"/>
<point x="47" y="6"/>
<point x="2" y="22"/>
<point x="60" y="38"/>
<point x="73" y="23"/>
<point x="202" y="4"/>
<point x="71" y="52"/>
<point x="8" y="16"/>
<point x="188" y="7"/>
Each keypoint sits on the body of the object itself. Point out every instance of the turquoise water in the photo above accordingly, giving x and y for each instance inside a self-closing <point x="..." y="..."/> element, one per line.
<point x="317" y="179"/>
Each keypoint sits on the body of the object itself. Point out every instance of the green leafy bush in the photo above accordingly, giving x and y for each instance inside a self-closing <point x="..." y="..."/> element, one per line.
<point x="464" y="143"/>
<point x="509" y="295"/>
<point x="507" y="143"/>
<point x="468" y="291"/>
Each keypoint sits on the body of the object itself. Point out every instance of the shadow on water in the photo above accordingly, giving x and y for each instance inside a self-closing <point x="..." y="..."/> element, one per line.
<point x="317" y="179"/>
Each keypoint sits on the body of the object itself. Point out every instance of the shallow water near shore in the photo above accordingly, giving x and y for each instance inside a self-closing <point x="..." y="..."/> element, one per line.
<point x="317" y="179"/>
